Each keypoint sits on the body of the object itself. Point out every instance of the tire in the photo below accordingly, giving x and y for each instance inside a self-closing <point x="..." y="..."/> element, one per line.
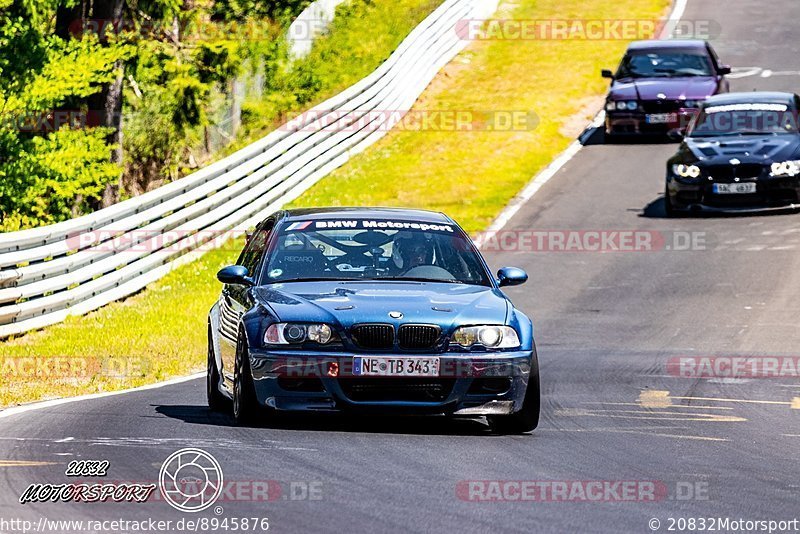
<point x="245" y="405"/>
<point x="217" y="402"/>
<point x="527" y="418"/>
<point x="669" y="209"/>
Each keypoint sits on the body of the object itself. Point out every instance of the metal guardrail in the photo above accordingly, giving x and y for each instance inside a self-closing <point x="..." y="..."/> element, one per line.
<point x="76" y="266"/>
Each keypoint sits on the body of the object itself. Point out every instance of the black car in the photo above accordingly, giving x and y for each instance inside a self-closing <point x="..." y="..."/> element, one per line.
<point x="741" y="153"/>
<point x="660" y="84"/>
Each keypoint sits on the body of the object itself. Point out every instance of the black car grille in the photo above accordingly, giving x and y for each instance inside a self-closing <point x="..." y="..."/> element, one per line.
<point x="376" y="389"/>
<point x="418" y="336"/>
<point x="373" y="336"/>
<point x="727" y="173"/>
<point x="661" y="106"/>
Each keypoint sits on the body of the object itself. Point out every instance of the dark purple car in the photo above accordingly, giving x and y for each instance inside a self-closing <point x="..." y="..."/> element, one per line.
<point x="659" y="85"/>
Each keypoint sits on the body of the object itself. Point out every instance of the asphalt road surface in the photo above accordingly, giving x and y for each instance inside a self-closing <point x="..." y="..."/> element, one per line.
<point x="608" y="326"/>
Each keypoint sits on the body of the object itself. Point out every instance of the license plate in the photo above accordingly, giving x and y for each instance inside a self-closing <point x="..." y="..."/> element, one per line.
<point x="661" y="118"/>
<point x="395" y="366"/>
<point x="735" y="189"/>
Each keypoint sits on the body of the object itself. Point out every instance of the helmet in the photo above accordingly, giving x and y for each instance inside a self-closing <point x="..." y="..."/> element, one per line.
<point x="411" y="249"/>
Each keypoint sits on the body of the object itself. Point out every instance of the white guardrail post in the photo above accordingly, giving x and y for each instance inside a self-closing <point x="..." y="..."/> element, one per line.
<point x="79" y="265"/>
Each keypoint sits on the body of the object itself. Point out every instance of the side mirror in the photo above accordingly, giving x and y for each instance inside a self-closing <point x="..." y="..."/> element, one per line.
<point x="605" y="73"/>
<point x="235" y="275"/>
<point x="675" y="134"/>
<point x="511" y="276"/>
<point x="723" y="70"/>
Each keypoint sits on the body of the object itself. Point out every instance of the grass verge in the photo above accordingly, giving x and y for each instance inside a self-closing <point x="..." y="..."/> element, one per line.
<point x="160" y="332"/>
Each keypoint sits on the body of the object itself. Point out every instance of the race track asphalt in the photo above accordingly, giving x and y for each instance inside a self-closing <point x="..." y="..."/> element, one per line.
<point x="607" y="325"/>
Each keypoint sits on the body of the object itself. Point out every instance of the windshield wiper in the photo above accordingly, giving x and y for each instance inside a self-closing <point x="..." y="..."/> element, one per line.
<point x="309" y="279"/>
<point x="421" y="279"/>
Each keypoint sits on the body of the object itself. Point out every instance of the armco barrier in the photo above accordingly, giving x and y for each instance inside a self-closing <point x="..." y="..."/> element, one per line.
<point x="70" y="268"/>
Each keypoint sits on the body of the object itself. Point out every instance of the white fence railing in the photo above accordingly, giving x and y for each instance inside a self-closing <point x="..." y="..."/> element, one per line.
<point x="76" y="266"/>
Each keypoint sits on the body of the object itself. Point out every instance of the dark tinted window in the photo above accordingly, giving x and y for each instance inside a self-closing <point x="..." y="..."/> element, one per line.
<point x="664" y="64"/>
<point x="361" y="249"/>
<point x="255" y="247"/>
<point x="744" y="119"/>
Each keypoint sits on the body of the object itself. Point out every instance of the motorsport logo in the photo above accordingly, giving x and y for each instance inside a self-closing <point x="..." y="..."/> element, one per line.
<point x="190" y="480"/>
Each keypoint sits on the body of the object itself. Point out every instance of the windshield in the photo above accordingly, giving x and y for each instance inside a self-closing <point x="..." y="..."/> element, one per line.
<point x="744" y="119"/>
<point x="362" y="249"/>
<point x="664" y="64"/>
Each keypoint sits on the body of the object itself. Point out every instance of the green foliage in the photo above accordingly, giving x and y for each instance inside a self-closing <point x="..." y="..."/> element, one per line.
<point x="54" y="177"/>
<point x="49" y="174"/>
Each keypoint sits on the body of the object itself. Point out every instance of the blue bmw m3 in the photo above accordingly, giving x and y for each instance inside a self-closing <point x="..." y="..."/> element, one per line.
<point x="370" y="310"/>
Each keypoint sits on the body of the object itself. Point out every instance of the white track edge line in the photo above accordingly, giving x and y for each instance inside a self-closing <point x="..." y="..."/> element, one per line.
<point x="14" y="410"/>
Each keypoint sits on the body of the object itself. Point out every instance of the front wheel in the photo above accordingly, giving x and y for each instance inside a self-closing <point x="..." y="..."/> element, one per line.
<point x="245" y="404"/>
<point x="527" y="418"/>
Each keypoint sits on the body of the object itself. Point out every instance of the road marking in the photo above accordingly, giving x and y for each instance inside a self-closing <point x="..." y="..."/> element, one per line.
<point x="662" y="399"/>
<point x="8" y="412"/>
<point x="766" y="73"/>
<point x="645" y="431"/>
<point x="694" y="407"/>
<point x="23" y="463"/>
<point x="651" y="416"/>
<point x="64" y="440"/>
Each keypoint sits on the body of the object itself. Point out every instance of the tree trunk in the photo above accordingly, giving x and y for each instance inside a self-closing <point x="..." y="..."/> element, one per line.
<point x="107" y="104"/>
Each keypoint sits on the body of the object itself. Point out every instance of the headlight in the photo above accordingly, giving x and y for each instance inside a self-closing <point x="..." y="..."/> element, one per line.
<point x="691" y="103"/>
<point x="492" y="337"/>
<point x="290" y="333"/>
<point x="785" y="168"/>
<point x="621" y="105"/>
<point x="686" y="171"/>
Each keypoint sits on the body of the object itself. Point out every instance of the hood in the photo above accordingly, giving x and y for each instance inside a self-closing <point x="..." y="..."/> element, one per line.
<point x="348" y="303"/>
<point x="747" y="148"/>
<point x="690" y="88"/>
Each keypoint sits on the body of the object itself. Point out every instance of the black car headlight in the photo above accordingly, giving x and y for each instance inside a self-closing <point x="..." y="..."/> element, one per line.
<point x="785" y="168"/>
<point x="292" y="333"/>
<point x="686" y="171"/>
<point x="489" y="336"/>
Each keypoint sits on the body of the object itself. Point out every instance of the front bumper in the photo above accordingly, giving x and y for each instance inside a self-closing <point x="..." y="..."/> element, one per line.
<point x="469" y="384"/>
<point x="772" y="194"/>
<point x="635" y="122"/>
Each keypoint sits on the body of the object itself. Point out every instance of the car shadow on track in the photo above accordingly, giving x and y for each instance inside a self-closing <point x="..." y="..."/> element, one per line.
<point x="418" y="425"/>
<point x="655" y="209"/>
<point x="593" y="135"/>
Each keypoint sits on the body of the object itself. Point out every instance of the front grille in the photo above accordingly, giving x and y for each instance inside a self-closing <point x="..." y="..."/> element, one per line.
<point x="661" y="106"/>
<point x="373" y="336"/>
<point x="418" y="336"/>
<point x="375" y="389"/>
<point x="727" y="173"/>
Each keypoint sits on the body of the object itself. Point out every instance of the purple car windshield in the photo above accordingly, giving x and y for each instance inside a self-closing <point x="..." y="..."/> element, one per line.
<point x="664" y="64"/>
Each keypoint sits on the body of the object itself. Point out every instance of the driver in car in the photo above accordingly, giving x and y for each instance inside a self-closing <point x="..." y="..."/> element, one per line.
<point x="411" y="250"/>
